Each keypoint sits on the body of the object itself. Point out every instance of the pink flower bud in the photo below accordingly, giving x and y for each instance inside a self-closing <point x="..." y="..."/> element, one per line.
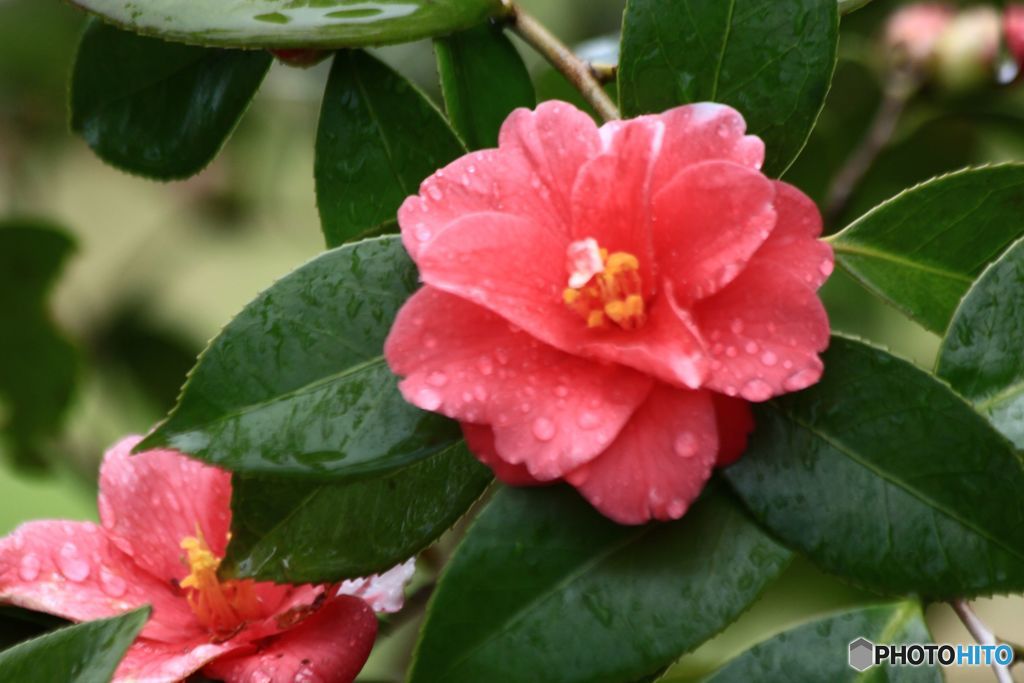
<point x="966" y="52"/>
<point x="913" y="32"/>
<point x="1013" y="31"/>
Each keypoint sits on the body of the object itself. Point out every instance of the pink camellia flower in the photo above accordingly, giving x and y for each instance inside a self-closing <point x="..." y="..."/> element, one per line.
<point x="165" y="521"/>
<point x="1013" y="31"/>
<point x="599" y="302"/>
<point x="913" y="31"/>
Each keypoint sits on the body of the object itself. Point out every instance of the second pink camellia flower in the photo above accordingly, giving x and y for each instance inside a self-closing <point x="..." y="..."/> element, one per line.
<point x="600" y="302"/>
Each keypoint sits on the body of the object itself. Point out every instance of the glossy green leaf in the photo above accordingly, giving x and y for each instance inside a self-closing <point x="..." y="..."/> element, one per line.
<point x="297" y="532"/>
<point x="379" y="137"/>
<point x="545" y="589"/>
<point x="921" y="250"/>
<point x="771" y="60"/>
<point x="882" y="474"/>
<point x="981" y="356"/>
<point x="483" y="79"/>
<point x="86" y="653"/>
<point x="33" y="395"/>
<point x="296" y="384"/>
<point x="161" y="110"/>
<point x="818" y="651"/>
<point x="293" y="23"/>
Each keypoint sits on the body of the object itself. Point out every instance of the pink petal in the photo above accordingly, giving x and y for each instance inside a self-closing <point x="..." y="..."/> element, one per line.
<point x="149" y="502"/>
<point x="382" y="592"/>
<point x="708" y="222"/>
<point x="154" y="662"/>
<point x="611" y="199"/>
<point x="768" y="326"/>
<point x="72" y="570"/>
<point x="704" y="132"/>
<point x="530" y="176"/>
<point x="549" y="410"/>
<point x="794" y="245"/>
<point x="660" y="461"/>
<point x="331" y="646"/>
<point x="480" y="441"/>
<point x="735" y="423"/>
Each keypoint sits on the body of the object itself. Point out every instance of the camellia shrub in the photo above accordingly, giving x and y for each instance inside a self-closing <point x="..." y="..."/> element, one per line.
<point x="582" y="340"/>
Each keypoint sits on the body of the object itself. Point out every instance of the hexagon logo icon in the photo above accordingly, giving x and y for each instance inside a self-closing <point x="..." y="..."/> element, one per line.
<point x="862" y="654"/>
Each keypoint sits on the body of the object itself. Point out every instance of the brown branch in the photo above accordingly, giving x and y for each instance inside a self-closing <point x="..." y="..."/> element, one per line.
<point x="577" y="71"/>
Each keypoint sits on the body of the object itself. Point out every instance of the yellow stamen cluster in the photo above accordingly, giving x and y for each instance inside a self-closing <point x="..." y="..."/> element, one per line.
<point x="614" y="295"/>
<point x="221" y="606"/>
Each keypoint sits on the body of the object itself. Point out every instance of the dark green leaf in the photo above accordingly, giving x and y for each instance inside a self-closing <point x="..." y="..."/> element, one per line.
<point x="86" y="653"/>
<point x="18" y="624"/>
<point x="881" y="474"/>
<point x="293" y="23"/>
<point x="543" y="588"/>
<point x="33" y="395"/>
<point x="483" y="79"/>
<point x="981" y="355"/>
<point x="379" y="137"/>
<point x="296" y="532"/>
<point x="161" y="110"/>
<point x="818" y="651"/>
<point x="771" y="60"/>
<point x="296" y="383"/>
<point x="921" y="250"/>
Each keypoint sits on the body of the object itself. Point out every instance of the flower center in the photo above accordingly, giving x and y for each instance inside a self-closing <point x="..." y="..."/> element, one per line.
<point x="604" y="289"/>
<point x="221" y="606"/>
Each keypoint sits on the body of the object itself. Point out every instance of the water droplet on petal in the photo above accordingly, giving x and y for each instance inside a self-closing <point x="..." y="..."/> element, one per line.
<point x="751" y="347"/>
<point x="769" y="359"/>
<point x="112" y="584"/>
<point x="28" y="569"/>
<point x="561" y="391"/>
<point x="422" y="232"/>
<point x="730" y="390"/>
<point x="480" y="392"/>
<point x="485" y="365"/>
<point x="676" y="509"/>
<point x="435" y="193"/>
<point x="736" y="326"/>
<point x="430" y="341"/>
<point x="437" y="379"/>
<point x="756" y="390"/>
<point x="544" y="429"/>
<point x="731" y="351"/>
<point x="825" y="267"/>
<point x="524" y="407"/>
<point x="71" y="565"/>
<point x="800" y="379"/>
<point x="107" y="514"/>
<point x="428" y="399"/>
<point x="588" y="420"/>
<point x="685" y="445"/>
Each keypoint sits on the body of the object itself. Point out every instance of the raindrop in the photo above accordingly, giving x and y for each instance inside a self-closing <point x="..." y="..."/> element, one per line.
<point x="437" y="379"/>
<point x="544" y="429"/>
<point x="428" y="399"/>
<point x="112" y="584"/>
<point x="769" y="359"/>
<point x="430" y="341"/>
<point x="751" y="347"/>
<point x="825" y="267"/>
<point x="422" y="232"/>
<point x="756" y="390"/>
<point x="801" y="379"/>
<point x="435" y="193"/>
<point x="685" y="445"/>
<point x="480" y="392"/>
<point x="485" y="365"/>
<point x="28" y="570"/>
<point x="731" y="351"/>
<point x="524" y="407"/>
<point x="736" y="326"/>
<point x="676" y="509"/>
<point x="70" y="564"/>
<point x="561" y="391"/>
<point x="588" y="420"/>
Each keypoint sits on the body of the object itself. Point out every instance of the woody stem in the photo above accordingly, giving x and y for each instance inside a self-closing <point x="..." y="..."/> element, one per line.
<point x="578" y="72"/>
<point x="982" y="634"/>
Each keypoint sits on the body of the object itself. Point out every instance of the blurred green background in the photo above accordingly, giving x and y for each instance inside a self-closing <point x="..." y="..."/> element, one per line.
<point x="160" y="267"/>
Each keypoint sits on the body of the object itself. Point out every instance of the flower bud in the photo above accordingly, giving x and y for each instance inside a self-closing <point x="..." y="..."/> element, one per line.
<point x="966" y="52"/>
<point x="913" y="32"/>
<point x="1013" y="31"/>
